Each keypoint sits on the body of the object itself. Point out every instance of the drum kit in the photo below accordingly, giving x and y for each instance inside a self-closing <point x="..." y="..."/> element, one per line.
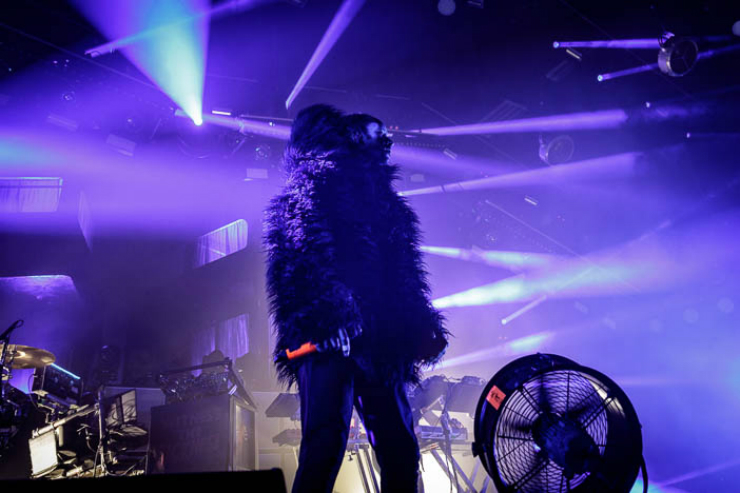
<point x="31" y="425"/>
<point x="15" y="404"/>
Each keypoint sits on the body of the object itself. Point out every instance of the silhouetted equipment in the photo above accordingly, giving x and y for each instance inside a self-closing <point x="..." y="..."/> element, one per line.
<point x="82" y="435"/>
<point x="215" y="433"/>
<point x="285" y="405"/>
<point x="58" y="447"/>
<point x="545" y="423"/>
<point x="451" y="394"/>
<point x="15" y="406"/>
<point x="15" y="409"/>
<point x="207" y="425"/>
<point x="85" y="443"/>
<point x="290" y="437"/>
<point x="141" y="402"/>
<point x="464" y="395"/>
<point x="109" y="364"/>
<point x="56" y="384"/>
<point x="216" y="378"/>
<point x="433" y="400"/>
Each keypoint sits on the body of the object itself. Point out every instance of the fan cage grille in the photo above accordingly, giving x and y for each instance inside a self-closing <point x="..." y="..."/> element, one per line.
<point x="521" y="465"/>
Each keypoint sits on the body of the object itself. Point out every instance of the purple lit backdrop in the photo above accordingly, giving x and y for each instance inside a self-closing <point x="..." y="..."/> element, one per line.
<point x="53" y="314"/>
<point x="623" y="258"/>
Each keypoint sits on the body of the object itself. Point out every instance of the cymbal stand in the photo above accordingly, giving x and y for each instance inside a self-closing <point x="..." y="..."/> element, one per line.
<point x="101" y="435"/>
<point x="5" y="341"/>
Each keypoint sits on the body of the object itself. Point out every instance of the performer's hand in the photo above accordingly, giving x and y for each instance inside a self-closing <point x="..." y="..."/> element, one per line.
<point x="340" y="342"/>
<point x="344" y="342"/>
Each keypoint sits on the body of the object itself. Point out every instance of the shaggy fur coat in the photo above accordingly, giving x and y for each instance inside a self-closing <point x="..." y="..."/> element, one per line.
<point x="343" y="251"/>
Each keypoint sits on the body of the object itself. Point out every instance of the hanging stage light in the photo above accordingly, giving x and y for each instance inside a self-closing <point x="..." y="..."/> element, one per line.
<point x="446" y="7"/>
<point x="677" y="56"/>
<point x="556" y="150"/>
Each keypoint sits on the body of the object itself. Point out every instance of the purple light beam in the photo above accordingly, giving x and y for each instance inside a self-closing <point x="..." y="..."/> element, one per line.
<point x="620" y="44"/>
<point x="718" y="51"/>
<point x="233" y="6"/>
<point x="603" y="168"/>
<point x="529" y="306"/>
<point x="700" y="472"/>
<point x="515" y="261"/>
<point x="438" y="161"/>
<point x="569" y="278"/>
<point x="553" y="123"/>
<point x="342" y="19"/>
<point x="626" y="72"/>
<point x="649" y="263"/>
<point x="523" y="345"/>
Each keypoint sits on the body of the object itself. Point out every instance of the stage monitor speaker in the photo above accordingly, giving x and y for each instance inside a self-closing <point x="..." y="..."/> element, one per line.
<point x="206" y="435"/>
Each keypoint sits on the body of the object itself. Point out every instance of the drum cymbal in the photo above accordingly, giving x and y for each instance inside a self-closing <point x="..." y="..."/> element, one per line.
<point x="24" y="357"/>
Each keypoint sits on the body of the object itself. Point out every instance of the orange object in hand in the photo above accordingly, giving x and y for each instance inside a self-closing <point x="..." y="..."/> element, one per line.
<point x="306" y="348"/>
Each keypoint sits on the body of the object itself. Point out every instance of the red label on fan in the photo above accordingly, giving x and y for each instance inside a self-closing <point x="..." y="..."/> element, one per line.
<point x="495" y="397"/>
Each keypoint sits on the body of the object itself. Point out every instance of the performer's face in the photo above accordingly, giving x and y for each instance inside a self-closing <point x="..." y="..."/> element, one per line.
<point x="377" y="139"/>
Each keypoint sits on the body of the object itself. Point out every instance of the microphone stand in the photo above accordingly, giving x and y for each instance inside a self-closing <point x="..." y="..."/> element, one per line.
<point x="101" y="435"/>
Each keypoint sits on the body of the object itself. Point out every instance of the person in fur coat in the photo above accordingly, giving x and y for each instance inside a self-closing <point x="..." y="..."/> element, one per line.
<point x="343" y="257"/>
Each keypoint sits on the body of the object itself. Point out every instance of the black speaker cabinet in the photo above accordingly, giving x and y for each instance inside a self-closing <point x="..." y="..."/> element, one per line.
<point x="208" y="435"/>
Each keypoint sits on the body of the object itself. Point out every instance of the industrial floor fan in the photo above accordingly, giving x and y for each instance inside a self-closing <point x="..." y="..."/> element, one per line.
<point x="545" y="424"/>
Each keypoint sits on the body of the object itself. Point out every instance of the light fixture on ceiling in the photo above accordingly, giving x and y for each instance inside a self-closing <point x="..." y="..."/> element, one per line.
<point x="446" y="7"/>
<point x="677" y="56"/>
<point x="556" y="150"/>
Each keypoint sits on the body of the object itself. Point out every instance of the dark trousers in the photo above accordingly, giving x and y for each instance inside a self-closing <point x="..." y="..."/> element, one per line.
<point x="329" y="385"/>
